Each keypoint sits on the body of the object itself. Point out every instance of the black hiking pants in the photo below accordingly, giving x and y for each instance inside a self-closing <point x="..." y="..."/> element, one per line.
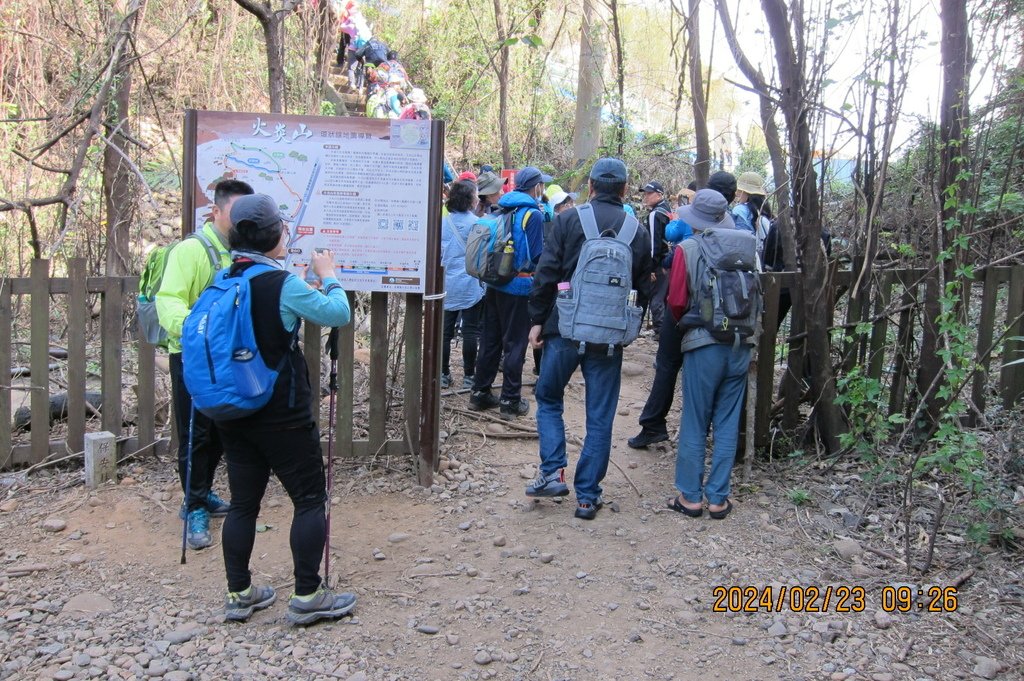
<point x="206" y="443"/>
<point x="506" y="330"/>
<point x="293" y="455"/>
<point x="667" y="363"/>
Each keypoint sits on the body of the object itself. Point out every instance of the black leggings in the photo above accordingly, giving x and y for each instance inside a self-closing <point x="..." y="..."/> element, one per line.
<point x="294" y="457"/>
<point x="470" y="337"/>
<point x="206" y="443"/>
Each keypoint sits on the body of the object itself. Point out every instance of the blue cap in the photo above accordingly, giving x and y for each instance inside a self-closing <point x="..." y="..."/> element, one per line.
<point x="529" y="177"/>
<point x="609" y="170"/>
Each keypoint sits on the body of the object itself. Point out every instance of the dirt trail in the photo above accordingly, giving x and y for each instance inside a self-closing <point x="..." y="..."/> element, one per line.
<point x="471" y="580"/>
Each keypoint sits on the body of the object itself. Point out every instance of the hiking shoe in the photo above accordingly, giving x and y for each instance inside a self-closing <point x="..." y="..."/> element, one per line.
<point x="511" y="409"/>
<point x="645" y="438"/>
<point x="239" y="605"/>
<point x="467" y="383"/>
<point x="217" y="507"/>
<point x="480" y="400"/>
<point x="548" y="485"/>
<point x="588" y="511"/>
<point x="322" y="604"/>
<point x="446" y="381"/>
<point x="198" y="535"/>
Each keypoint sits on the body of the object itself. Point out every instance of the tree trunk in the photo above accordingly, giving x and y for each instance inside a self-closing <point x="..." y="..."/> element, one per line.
<point x="272" y="22"/>
<point x="620" y="78"/>
<point x="816" y="304"/>
<point x="118" y="178"/>
<point x="503" y="65"/>
<point x="325" y="45"/>
<point x="586" y="136"/>
<point x="702" y="165"/>
<point x="954" y="113"/>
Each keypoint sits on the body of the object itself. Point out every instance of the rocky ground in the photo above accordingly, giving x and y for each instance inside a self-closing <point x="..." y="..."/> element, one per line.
<point x="471" y="580"/>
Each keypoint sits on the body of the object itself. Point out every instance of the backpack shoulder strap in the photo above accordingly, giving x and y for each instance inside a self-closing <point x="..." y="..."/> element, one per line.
<point x="629" y="229"/>
<point x="211" y="250"/>
<point x="589" y="222"/>
<point x="447" y="222"/>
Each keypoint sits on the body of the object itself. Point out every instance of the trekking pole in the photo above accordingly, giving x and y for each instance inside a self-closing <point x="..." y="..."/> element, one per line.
<point x="188" y="476"/>
<point x="332" y="387"/>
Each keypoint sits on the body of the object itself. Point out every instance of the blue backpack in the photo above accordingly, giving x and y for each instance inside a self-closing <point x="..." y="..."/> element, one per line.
<point x="223" y="368"/>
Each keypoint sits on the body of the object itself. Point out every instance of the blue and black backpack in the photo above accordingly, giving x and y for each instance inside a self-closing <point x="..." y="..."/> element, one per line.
<point x="223" y="368"/>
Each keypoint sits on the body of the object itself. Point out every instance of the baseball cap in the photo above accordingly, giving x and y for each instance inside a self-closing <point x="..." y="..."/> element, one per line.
<point x="259" y="209"/>
<point x="467" y="176"/>
<point x="529" y="177"/>
<point x="559" y="196"/>
<point x="608" y="170"/>
<point x="708" y="209"/>
<point x="652" y="187"/>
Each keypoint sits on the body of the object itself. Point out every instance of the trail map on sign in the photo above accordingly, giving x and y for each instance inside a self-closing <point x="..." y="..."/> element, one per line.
<point x="356" y="186"/>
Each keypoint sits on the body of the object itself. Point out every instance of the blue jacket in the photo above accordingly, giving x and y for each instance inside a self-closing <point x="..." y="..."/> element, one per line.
<point x="528" y="240"/>
<point x="461" y="290"/>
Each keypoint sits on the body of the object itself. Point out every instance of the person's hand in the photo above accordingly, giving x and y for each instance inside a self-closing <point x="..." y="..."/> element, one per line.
<point x="322" y="262"/>
<point x="535" y="340"/>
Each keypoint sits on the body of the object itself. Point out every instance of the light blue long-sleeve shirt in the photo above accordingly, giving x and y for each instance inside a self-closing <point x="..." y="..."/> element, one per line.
<point x="301" y="301"/>
<point x="461" y="290"/>
<point x="743" y="217"/>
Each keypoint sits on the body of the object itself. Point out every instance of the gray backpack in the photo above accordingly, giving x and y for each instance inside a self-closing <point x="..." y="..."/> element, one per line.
<point x="599" y="307"/>
<point x="727" y="300"/>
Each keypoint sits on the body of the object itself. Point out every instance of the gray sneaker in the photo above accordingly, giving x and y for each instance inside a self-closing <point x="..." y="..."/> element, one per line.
<point x="324" y="604"/>
<point x="239" y="605"/>
<point x="548" y="485"/>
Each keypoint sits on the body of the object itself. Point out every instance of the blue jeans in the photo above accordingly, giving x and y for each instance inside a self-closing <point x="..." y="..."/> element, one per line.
<point x="602" y="375"/>
<point x="714" y="382"/>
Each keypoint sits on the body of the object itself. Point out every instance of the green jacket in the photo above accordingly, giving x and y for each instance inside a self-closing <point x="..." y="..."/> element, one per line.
<point x="187" y="273"/>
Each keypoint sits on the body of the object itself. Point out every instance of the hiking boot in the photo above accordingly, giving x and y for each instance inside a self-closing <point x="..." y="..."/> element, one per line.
<point x="217" y="507"/>
<point x="548" y="485"/>
<point x="198" y="534"/>
<point x="467" y="383"/>
<point x="322" y="604"/>
<point x="480" y="400"/>
<point x="588" y="511"/>
<point x="239" y="605"/>
<point x="446" y="381"/>
<point x="646" y="437"/>
<point x="511" y="409"/>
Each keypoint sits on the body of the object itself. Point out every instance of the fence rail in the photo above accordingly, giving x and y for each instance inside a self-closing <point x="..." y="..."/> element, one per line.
<point x="59" y="307"/>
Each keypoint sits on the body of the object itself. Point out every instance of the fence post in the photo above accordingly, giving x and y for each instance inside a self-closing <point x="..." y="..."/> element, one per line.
<point x="112" y="337"/>
<point x="1011" y="379"/>
<point x="378" y="371"/>
<point x="5" y="366"/>
<point x="100" y="458"/>
<point x="39" y="336"/>
<point x="77" y="316"/>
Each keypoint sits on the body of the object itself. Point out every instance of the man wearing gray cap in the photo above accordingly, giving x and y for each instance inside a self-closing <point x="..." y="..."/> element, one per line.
<point x="601" y="364"/>
<point x="506" y="324"/>
<point x="714" y="369"/>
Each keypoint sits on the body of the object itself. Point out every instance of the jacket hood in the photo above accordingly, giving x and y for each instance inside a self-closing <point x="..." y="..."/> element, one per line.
<point x="516" y="199"/>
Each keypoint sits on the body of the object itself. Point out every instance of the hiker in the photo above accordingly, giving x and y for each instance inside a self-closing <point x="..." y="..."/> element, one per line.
<point x="563" y="298"/>
<point x="394" y="98"/>
<point x="190" y="269"/>
<point x="659" y="214"/>
<point x="669" y="358"/>
<point x="715" y="361"/>
<point x="749" y="198"/>
<point x="506" y="325"/>
<point x="417" y="108"/>
<point x="488" y="188"/>
<point x="283" y="436"/>
<point x="393" y="66"/>
<point x="463" y="294"/>
<point x="561" y="200"/>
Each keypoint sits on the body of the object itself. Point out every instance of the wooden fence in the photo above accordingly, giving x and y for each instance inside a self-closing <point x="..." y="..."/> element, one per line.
<point x="58" y="308"/>
<point x="69" y="321"/>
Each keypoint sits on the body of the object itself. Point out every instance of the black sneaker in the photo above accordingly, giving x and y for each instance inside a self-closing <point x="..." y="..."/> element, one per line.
<point x="480" y="400"/>
<point x="645" y="438"/>
<point x="511" y="409"/>
<point x="585" y="511"/>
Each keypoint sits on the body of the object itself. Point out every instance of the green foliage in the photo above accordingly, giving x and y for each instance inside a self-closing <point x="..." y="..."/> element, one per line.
<point x="798" y="497"/>
<point x="753" y="159"/>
